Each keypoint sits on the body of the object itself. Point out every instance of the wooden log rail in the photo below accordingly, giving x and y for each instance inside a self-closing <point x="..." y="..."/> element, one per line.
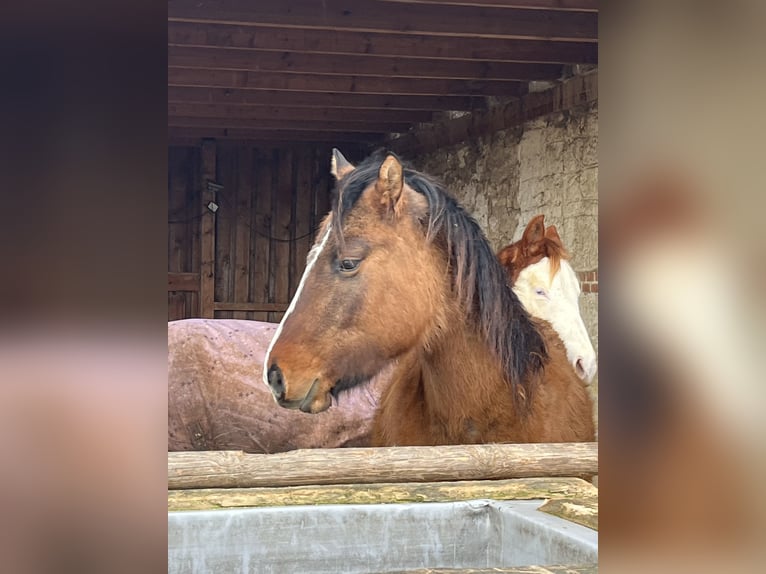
<point x="569" y="498"/>
<point x="234" y="469"/>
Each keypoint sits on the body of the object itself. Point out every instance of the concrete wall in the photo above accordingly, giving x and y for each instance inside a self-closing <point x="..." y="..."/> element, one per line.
<point x="548" y="165"/>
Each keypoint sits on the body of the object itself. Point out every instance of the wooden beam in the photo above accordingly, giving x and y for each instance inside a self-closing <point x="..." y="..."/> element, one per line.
<point x="283" y="113"/>
<point x="384" y="493"/>
<point x="289" y="125"/>
<point x="178" y="94"/>
<point x="207" y="232"/>
<point x="563" y="5"/>
<point x="341" y="84"/>
<point x="575" y="91"/>
<point x="195" y="141"/>
<point x="249" y="38"/>
<point x="274" y="135"/>
<point x="254" y="307"/>
<point x="183" y="282"/>
<point x="448" y="20"/>
<point x="225" y="469"/>
<point x="357" y="65"/>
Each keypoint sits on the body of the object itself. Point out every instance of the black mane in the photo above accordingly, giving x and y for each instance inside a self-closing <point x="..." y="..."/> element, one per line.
<point x="478" y="279"/>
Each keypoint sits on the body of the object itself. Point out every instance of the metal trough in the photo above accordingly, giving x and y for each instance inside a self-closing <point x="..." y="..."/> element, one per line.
<point x="376" y="538"/>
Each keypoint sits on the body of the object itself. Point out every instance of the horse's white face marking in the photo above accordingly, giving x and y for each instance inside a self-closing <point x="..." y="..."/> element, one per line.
<point x="556" y="300"/>
<point x="310" y="261"/>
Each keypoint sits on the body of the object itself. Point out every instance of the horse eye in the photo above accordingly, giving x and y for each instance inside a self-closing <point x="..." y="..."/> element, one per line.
<point x="349" y="264"/>
<point x="541" y="292"/>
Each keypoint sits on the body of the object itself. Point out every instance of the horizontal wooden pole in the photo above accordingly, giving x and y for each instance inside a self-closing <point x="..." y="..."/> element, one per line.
<point x="384" y="493"/>
<point x="191" y="94"/>
<point x="284" y="113"/>
<point x="349" y="84"/>
<point x="448" y="20"/>
<point x="226" y="469"/>
<point x="256" y="307"/>
<point x="373" y="44"/>
<point x="357" y="65"/>
<point x="183" y="281"/>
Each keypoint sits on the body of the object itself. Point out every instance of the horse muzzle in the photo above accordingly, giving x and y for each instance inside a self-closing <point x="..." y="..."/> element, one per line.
<point x="315" y="400"/>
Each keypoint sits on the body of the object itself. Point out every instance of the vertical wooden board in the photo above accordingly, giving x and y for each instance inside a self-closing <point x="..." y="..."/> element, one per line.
<point x="325" y="183"/>
<point x="176" y="306"/>
<point x="192" y="305"/>
<point x="261" y="250"/>
<point x="226" y="218"/>
<point x="314" y="217"/>
<point x="207" y="231"/>
<point x="281" y="230"/>
<point x="291" y="279"/>
<point x="180" y="220"/>
<point x="303" y="216"/>
<point x="243" y="230"/>
<point x="193" y="200"/>
<point x="274" y="167"/>
<point x="194" y="212"/>
<point x="176" y="209"/>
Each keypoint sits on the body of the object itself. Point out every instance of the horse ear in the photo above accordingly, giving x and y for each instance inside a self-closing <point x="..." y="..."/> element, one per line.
<point x="509" y="255"/>
<point x="390" y="180"/>
<point x="339" y="165"/>
<point x="552" y="234"/>
<point x="534" y="235"/>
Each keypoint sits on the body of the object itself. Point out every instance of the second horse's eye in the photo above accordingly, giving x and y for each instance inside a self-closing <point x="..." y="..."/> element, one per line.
<point x="349" y="264"/>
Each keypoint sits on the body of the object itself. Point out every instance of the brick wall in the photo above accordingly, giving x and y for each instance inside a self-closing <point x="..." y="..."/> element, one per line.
<point x="588" y="281"/>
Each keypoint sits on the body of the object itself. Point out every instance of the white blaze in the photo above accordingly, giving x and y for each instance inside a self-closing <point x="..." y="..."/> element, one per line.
<point x="310" y="261"/>
<point x="556" y="301"/>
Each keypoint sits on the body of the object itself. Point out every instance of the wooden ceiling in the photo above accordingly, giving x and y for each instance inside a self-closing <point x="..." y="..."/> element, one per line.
<point x="357" y="70"/>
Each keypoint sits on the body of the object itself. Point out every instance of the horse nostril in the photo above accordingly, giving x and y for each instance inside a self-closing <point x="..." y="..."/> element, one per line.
<point x="580" y="369"/>
<point x="276" y="381"/>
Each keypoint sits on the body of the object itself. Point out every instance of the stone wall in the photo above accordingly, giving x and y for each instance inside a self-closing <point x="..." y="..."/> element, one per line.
<point x="548" y="165"/>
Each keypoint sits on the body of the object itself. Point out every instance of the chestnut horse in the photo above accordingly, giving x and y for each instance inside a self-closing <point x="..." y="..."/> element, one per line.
<point x="400" y="274"/>
<point x="549" y="289"/>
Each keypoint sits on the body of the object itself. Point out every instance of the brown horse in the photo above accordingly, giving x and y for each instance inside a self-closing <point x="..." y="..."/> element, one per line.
<point x="401" y="274"/>
<point x="548" y="288"/>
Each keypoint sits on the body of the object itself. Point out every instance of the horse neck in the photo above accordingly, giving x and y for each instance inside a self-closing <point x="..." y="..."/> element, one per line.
<point x="458" y="374"/>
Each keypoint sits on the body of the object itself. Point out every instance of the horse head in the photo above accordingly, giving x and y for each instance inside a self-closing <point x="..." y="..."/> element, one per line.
<point x="546" y="284"/>
<point x="369" y="291"/>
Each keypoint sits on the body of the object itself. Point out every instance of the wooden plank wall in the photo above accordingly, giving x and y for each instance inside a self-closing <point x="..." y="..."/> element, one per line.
<point x="184" y="216"/>
<point x="272" y="201"/>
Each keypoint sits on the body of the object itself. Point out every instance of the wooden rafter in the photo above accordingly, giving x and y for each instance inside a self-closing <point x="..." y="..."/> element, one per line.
<point x="416" y="18"/>
<point x="180" y="94"/>
<point x="269" y="38"/>
<point x="272" y="134"/>
<point x="341" y="84"/>
<point x="324" y="71"/>
<point x="356" y="65"/>
<point x="285" y="113"/>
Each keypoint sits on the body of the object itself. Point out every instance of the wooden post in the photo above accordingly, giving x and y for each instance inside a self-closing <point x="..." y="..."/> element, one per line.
<point x="207" y="233"/>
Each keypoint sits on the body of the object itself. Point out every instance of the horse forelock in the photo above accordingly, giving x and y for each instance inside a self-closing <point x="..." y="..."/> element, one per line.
<point x="555" y="251"/>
